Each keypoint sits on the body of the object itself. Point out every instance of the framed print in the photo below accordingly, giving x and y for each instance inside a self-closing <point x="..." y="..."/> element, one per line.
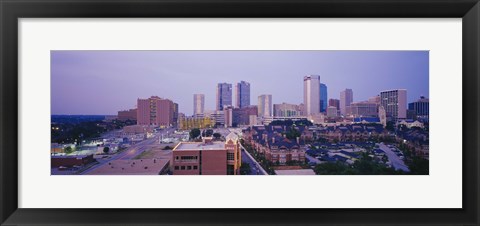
<point x="234" y="112"/>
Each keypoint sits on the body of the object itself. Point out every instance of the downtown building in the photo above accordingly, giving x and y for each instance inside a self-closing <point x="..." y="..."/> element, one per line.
<point x="346" y="98"/>
<point x="311" y="94"/>
<point x="286" y="110"/>
<point x="323" y="97"/>
<point x="395" y="103"/>
<point x="198" y="104"/>
<point x="224" y="96"/>
<point x="127" y="115"/>
<point x="208" y="157"/>
<point x="265" y="105"/>
<point x="155" y="111"/>
<point x="332" y="112"/>
<point x="419" y="109"/>
<point x="245" y="116"/>
<point x="364" y="109"/>
<point x="242" y="94"/>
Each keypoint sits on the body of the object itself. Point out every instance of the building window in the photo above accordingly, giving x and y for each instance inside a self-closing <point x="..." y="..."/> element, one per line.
<point x="189" y="167"/>
<point x="195" y="167"/>
<point x="176" y="157"/>
<point x="176" y="168"/>
<point x="230" y="156"/>
<point x="182" y="167"/>
<point x="188" y="158"/>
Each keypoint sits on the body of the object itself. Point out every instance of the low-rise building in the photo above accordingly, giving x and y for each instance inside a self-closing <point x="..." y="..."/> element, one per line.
<point x="71" y="160"/>
<point x="127" y="115"/>
<point x="208" y="157"/>
<point x="272" y="142"/>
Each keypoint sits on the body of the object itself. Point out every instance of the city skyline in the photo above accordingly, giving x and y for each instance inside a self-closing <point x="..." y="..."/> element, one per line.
<point x="118" y="78"/>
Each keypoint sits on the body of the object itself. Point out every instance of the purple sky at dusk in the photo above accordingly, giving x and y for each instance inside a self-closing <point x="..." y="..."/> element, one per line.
<point x="104" y="82"/>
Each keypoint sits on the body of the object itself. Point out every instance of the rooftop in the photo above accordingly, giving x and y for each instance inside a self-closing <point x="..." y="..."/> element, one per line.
<point x="193" y="146"/>
<point x="295" y="172"/>
<point x="132" y="167"/>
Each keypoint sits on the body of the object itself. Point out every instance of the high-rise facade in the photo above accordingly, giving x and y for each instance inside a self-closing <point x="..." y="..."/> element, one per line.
<point x="243" y="94"/>
<point x="311" y="94"/>
<point x="420" y="107"/>
<point x="224" y="95"/>
<point x="395" y="103"/>
<point x="198" y="104"/>
<point x="346" y="98"/>
<point x="265" y="105"/>
<point x="175" y="113"/>
<point x="323" y="97"/>
<point x="155" y="111"/>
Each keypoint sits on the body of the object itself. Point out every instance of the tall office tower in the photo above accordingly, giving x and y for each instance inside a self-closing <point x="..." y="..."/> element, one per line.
<point x="175" y="114"/>
<point x="198" y="104"/>
<point x="228" y="113"/>
<point x="224" y="95"/>
<point x="323" y="97"/>
<point x="155" y="111"/>
<point x="395" y="103"/>
<point x="420" y="107"/>
<point x="265" y="105"/>
<point x="243" y="94"/>
<point x="346" y="98"/>
<point x="311" y="94"/>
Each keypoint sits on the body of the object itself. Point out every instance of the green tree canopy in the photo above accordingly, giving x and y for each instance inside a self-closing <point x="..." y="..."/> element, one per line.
<point x="194" y="133"/>
<point x="217" y="135"/>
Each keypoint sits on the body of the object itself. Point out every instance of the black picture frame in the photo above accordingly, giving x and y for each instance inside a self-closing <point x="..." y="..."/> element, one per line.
<point x="12" y="10"/>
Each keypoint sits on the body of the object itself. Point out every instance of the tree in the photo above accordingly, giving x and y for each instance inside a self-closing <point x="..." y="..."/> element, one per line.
<point x="390" y="126"/>
<point x="292" y="134"/>
<point x="419" y="166"/>
<point x="333" y="168"/>
<point x="245" y="169"/>
<point x="209" y="132"/>
<point x="106" y="150"/>
<point x="68" y="150"/>
<point x="217" y="135"/>
<point x="194" y="133"/>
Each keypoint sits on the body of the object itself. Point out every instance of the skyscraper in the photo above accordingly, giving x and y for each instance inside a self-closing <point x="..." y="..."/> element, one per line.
<point x="265" y="105"/>
<point x="198" y="104"/>
<point x="224" y="95"/>
<point x="395" y="103"/>
<point x="346" y="98"/>
<point x="323" y="97"/>
<point x="311" y="94"/>
<point x="243" y="94"/>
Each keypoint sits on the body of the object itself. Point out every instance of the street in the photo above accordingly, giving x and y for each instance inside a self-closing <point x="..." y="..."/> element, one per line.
<point x="132" y="151"/>
<point x="397" y="163"/>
